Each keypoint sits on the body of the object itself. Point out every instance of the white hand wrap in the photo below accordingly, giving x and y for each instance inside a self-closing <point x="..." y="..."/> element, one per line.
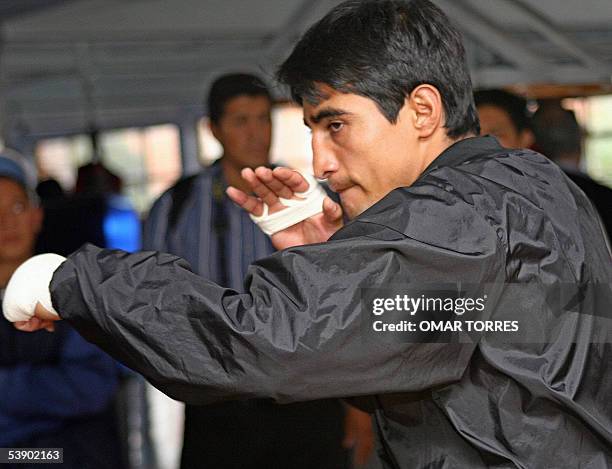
<point x="309" y="204"/>
<point x="30" y="285"/>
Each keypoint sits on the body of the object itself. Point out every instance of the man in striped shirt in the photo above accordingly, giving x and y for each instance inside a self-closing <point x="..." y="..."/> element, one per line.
<point x="197" y="221"/>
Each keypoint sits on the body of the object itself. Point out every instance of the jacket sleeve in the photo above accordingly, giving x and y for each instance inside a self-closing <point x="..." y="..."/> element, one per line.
<point x="81" y="382"/>
<point x="301" y="331"/>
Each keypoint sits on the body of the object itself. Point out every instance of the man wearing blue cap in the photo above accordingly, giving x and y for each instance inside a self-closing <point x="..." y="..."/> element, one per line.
<point x="43" y="368"/>
<point x="20" y="219"/>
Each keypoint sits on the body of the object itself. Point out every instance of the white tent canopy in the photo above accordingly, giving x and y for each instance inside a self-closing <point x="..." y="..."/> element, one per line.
<point x="67" y="64"/>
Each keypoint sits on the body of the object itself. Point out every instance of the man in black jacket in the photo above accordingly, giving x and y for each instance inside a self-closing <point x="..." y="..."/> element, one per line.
<point x="560" y="137"/>
<point x="491" y="249"/>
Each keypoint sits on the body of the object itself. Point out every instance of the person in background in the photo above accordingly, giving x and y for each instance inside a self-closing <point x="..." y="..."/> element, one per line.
<point x="554" y="132"/>
<point x="505" y="116"/>
<point x="97" y="212"/>
<point x="50" y="191"/>
<point x="196" y="220"/>
<point x="559" y="136"/>
<point x="56" y="390"/>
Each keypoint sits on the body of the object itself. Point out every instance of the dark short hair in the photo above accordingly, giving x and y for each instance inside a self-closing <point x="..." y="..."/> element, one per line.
<point x="515" y="106"/>
<point x="229" y="86"/>
<point x="556" y="130"/>
<point x="382" y="50"/>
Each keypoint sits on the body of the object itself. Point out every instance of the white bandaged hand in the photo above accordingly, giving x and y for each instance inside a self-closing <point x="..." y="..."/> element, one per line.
<point x="30" y="285"/>
<point x="309" y="204"/>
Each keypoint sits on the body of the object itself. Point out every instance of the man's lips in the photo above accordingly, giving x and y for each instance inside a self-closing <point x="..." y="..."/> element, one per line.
<point x="338" y="189"/>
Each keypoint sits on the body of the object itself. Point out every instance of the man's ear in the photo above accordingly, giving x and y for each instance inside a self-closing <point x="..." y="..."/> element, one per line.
<point x="427" y="109"/>
<point x="527" y="138"/>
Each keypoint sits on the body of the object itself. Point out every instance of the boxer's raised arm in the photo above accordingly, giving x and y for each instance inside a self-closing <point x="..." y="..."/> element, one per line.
<point x="288" y="206"/>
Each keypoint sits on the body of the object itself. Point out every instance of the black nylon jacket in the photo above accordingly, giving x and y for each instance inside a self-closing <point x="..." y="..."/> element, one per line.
<point x="479" y="215"/>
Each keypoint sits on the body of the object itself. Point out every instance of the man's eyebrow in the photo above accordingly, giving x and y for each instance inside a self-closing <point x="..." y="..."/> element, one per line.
<point x="326" y="113"/>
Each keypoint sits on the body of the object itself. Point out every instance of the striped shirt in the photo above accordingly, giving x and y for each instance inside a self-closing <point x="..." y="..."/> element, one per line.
<point x="204" y="219"/>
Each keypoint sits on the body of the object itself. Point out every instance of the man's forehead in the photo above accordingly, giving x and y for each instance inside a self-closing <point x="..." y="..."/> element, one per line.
<point x="318" y="95"/>
<point x="247" y="96"/>
<point x="330" y="103"/>
<point x="246" y="101"/>
<point x="12" y="189"/>
<point x="492" y="114"/>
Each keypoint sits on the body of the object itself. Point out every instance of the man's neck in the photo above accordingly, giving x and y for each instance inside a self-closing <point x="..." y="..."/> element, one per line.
<point x="232" y="176"/>
<point x="435" y="147"/>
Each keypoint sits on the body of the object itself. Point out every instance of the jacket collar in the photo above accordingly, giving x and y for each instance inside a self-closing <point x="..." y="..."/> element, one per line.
<point x="464" y="150"/>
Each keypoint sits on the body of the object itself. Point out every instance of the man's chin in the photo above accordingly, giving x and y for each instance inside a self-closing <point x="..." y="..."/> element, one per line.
<point x="353" y="202"/>
<point x="15" y="256"/>
<point x="257" y="156"/>
<point x="349" y="210"/>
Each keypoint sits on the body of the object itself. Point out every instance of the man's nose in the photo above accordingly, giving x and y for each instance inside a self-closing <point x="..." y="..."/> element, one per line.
<point x="324" y="162"/>
<point x="257" y="128"/>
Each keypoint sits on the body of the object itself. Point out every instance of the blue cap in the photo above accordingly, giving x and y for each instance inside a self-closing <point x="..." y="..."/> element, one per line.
<point x="10" y="169"/>
<point x="14" y="166"/>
